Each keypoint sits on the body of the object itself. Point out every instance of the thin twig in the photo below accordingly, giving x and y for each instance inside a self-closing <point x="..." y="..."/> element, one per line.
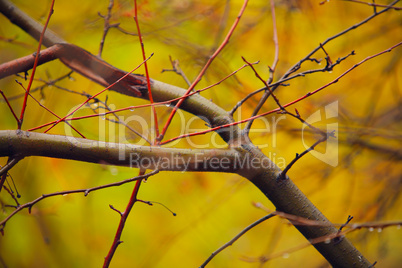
<point x="114" y="113"/>
<point x="330" y="238"/>
<point x="339" y="238"/>
<point x="11" y="193"/>
<point x="12" y="161"/>
<point x="283" y="80"/>
<point x="50" y="111"/>
<point x="297" y="66"/>
<point x="29" y="205"/>
<point x="106" y="26"/>
<point x="276" y="42"/>
<point x="298" y="156"/>
<point x="353" y="27"/>
<point x="374" y="4"/>
<point x="176" y="69"/>
<point x="156" y="125"/>
<point x="265" y="83"/>
<point x="123" y="218"/>
<point x="46" y="84"/>
<point x="234" y="239"/>
<point x="297" y="220"/>
<point x="53" y="124"/>
<point x="24" y="105"/>
<point x="143" y="105"/>
<point x="9" y="106"/>
<point x="290" y="103"/>
<point x="222" y="25"/>
<point x="268" y="92"/>
<point x="204" y="69"/>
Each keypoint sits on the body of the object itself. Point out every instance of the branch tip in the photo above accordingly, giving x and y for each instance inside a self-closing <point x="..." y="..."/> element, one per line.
<point x="118" y="211"/>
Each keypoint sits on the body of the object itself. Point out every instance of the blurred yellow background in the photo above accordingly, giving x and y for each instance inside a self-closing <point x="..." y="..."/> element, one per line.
<point x="77" y="231"/>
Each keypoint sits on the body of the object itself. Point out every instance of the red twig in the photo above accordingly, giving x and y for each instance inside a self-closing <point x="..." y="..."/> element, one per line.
<point x="133" y="199"/>
<point x="342" y="75"/>
<point x="148" y="104"/>
<point x="47" y="109"/>
<point x="123" y="218"/>
<point x="24" y="105"/>
<point x="201" y="74"/>
<point x="29" y="205"/>
<point x="146" y="69"/>
<point x="288" y="104"/>
<point x="9" y="106"/>
<point x="85" y="102"/>
<point x="264" y="82"/>
<point x="271" y="72"/>
<point x="282" y="80"/>
<point x="283" y="110"/>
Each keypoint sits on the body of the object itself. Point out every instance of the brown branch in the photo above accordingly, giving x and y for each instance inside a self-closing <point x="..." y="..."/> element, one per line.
<point x="204" y="69"/>
<point x="27" y="24"/>
<point x="283" y="80"/>
<point x="12" y="161"/>
<point x="26" y="63"/>
<point x="106" y="26"/>
<point x="24" y="104"/>
<point x="298" y="156"/>
<point x="46" y="83"/>
<point x="234" y="239"/>
<point x="176" y="69"/>
<point x="11" y="193"/>
<point x="121" y="79"/>
<point x="84" y="63"/>
<point x="268" y="90"/>
<point x="276" y="42"/>
<point x="123" y="219"/>
<point x="284" y="194"/>
<point x="114" y="113"/>
<point x="105" y="74"/>
<point x="29" y="205"/>
<point x="24" y="144"/>
<point x="50" y="111"/>
<point x="373" y="4"/>
<point x="353" y="27"/>
<point x="297" y="66"/>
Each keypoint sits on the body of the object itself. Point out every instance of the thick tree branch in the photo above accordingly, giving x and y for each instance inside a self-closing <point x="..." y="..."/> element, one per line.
<point x="28" y="24"/>
<point x="259" y="169"/>
<point x="105" y="74"/>
<point x="24" y="144"/>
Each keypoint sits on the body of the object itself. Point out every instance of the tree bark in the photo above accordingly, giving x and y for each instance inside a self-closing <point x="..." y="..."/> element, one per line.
<point x="283" y="193"/>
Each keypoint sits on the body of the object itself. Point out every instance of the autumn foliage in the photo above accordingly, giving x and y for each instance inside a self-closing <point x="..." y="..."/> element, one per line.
<point x="314" y="88"/>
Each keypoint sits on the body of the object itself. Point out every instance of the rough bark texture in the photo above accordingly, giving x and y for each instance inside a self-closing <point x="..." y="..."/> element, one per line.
<point x="283" y="193"/>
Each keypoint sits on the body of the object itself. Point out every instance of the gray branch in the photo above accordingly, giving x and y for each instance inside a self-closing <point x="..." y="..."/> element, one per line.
<point x="283" y="193"/>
